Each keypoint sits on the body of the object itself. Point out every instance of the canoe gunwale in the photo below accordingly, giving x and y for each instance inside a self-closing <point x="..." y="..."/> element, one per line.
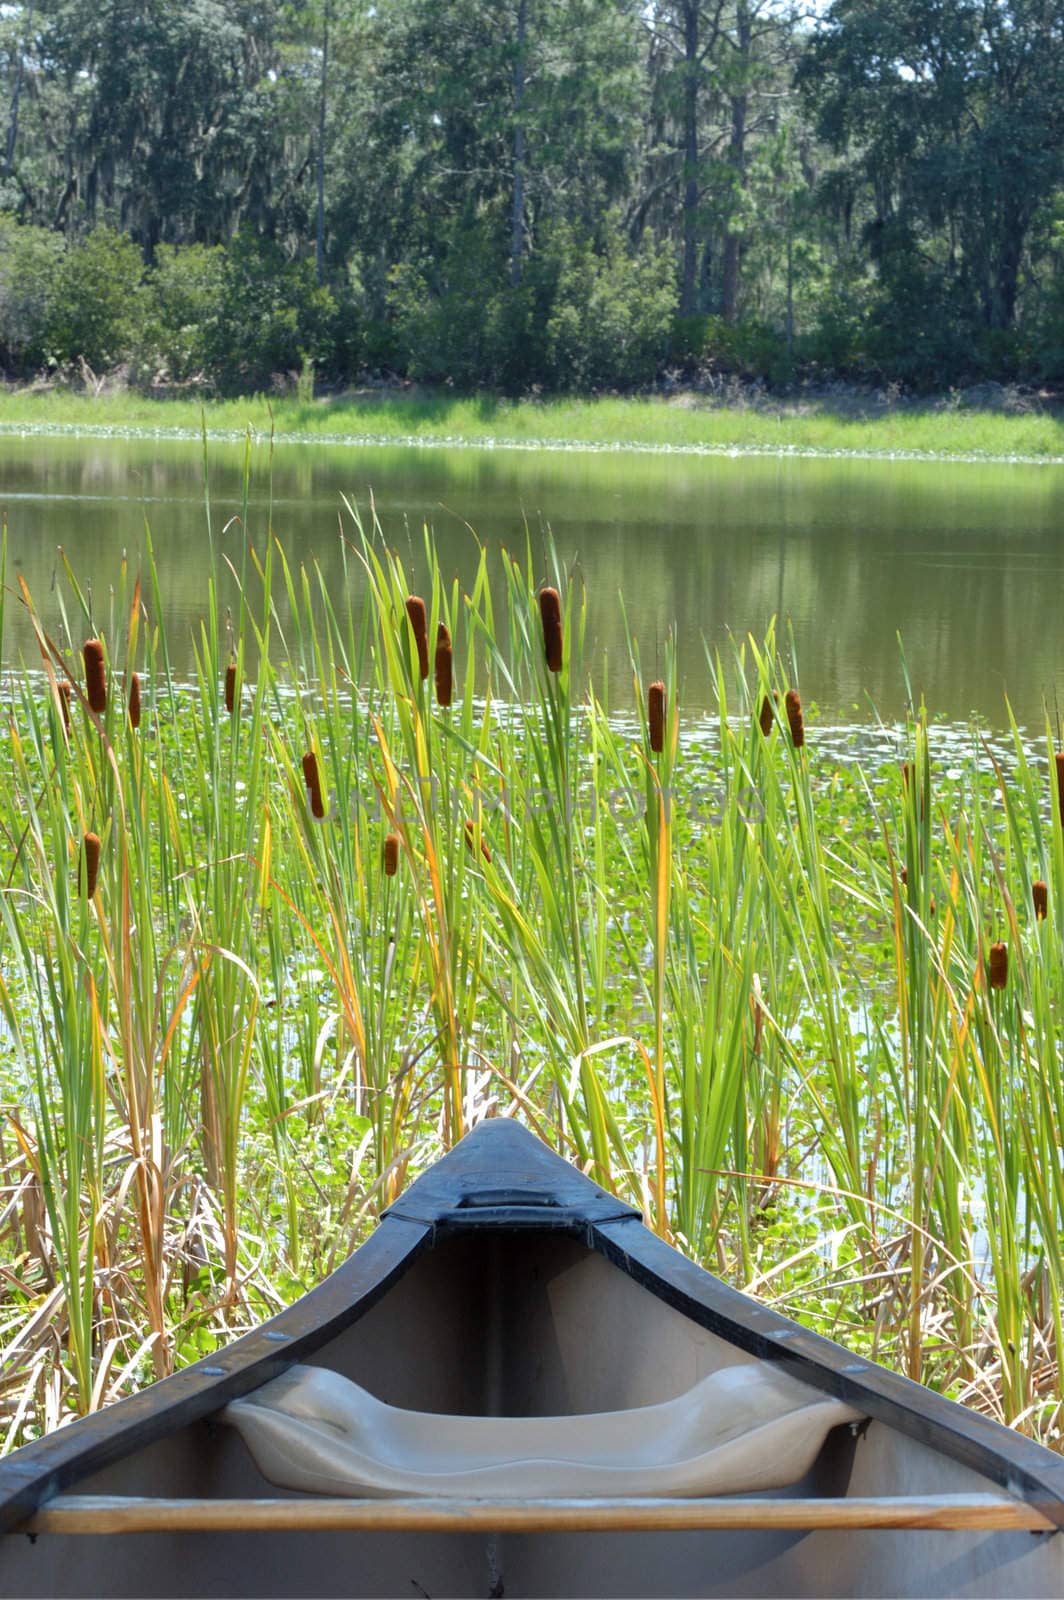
<point x="502" y="1179"/>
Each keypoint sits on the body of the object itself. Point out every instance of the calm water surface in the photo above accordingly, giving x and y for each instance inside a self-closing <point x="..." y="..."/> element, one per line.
<point x="965" y="562"/>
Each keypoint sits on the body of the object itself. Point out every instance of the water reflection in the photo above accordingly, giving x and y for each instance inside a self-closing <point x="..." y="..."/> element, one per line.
<point x="965" y="561"/>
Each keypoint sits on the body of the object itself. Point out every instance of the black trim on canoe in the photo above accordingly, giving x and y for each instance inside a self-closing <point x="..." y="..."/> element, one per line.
<point x="500" y="1177"/>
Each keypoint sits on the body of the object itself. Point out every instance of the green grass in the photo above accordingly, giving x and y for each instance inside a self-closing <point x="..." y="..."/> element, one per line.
<point x="742" y="985"/>
<point x="689" y="422"/>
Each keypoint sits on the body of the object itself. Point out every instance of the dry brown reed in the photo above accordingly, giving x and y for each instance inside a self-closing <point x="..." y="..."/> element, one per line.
<point x="656" y="715"/>
<point x="1040" y="896"/>
<point x="444" y="665"/>
<point x="95" y="676"/>
<point x="795" y="719"/>
<point x="134" y="700"/>
<point x="230" y="687"/>
<point x="90" y="854"/>
<point x="999" y="966"/>
<point x="312" y="779"/>
<point x="415" y="610"/>
<point x="470" y="837"/>
<point x="391" y="855"/>
<point x="550" y="611"/>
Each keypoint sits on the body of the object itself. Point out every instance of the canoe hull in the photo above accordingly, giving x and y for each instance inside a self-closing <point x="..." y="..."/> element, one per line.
<point x="504" y="1313"/>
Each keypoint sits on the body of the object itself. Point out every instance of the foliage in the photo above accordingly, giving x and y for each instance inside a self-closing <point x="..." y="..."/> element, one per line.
<point x="742" y="984"/>
<point x="95" y="311"/>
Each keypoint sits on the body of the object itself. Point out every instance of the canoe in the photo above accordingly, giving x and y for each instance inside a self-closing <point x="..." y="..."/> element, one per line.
<point x="516" y="1388"/>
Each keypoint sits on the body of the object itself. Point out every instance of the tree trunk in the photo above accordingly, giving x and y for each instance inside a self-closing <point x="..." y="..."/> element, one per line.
<point x="16" y="95"/>
<point x="737" y="158"/>
<point x="517" y="215"/>
<point x="689" y="288"/>
<point x="319" y="245"/>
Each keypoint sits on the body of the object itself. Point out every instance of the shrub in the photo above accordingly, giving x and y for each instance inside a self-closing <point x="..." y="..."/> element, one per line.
<point x="273" y="317"/>
<point x="185" y="305"/>
<point x="612" y="315"/>
<point x="96" y="309"/>
<point x="30" y="262"/>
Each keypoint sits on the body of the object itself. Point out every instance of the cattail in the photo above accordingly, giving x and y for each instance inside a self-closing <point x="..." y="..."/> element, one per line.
<point x="1040" y="896"/>
<point x="95" y="676"/>
<point x="999" y="966"/>
<point x="904" y="874"/>
<point x="391" y="855"/>
<point x="470" y="837"/>
<point x="313" y="783"/>
<point x="444" y="665"/>
<point x="134" y="700"/>
<point x="550" y="611"/>
<point x="66" y="691"/>
<point x="1060" y="784"/>
<point x="230" y="687"/>
<point x="795" y="718"/>
<point x="768" y="713"/>
<point x="656" y="715"/>
<point x="90" y="854"/>
<point x="905" y="775"/>
<point x="415" y="610"/>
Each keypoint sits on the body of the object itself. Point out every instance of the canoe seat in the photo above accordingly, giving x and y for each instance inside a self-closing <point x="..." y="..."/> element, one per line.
<point x="740" y="1430"/>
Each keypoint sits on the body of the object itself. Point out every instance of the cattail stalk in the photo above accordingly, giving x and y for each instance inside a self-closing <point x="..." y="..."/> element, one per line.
<point x="1060" y="784"/>
<point x="95" y="676"/>
<point x="470" y="837"/>
<point x="134" y="700"/>
<point x="391" y="855"/>
<point x="795" y="719"/>
<point x="415" y="610"/>
<point x="444" y="665"/>
<point x="90" y="855"/>
<point x="999" y="966"/>
<point x="550" y="611"/>
<point x="1040" y="896"/>
<point x="656" y="716"/>
<point x="312" y="780"/>
<point x="230" y="687"/>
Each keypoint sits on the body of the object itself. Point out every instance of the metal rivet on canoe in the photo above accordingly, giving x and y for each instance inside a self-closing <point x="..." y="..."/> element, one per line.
<point x="212" y="1372"/>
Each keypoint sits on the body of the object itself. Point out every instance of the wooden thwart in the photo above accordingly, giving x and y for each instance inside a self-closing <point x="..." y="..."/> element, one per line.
<point x="110" y="1514"/>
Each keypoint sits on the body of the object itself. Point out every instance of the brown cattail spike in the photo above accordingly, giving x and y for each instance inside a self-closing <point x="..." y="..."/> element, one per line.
<point x="550" y="611"/>
<point x="230" y="687"/>
<point x="90" y="853"/>
<point x="470" y="836"/>
<point x="904" y="874"/>
<point x="66" y="691"/>
<point x="905" y="775"/>
<point x="768" y="715"/>
<point x="795" y="719"/>
<point x="999" y="966"/>
<point x="415" y="610"/>
<point x="444" y="665"/>
<point x="656" y="716"/>
<point x="95" y="677"/>
<point x="391" y="855"/>
<point x="134" y="700"/>
<point x="313" y="783"/>
<point x="1040" y="896"/>
<point x="1060" y="783"/>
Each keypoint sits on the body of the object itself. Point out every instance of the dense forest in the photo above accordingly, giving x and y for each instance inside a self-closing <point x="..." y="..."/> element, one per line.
<point x="533" y="194"/>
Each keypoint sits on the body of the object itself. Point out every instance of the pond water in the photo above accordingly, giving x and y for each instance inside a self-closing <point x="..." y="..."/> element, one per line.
<point x="965" y="561"/>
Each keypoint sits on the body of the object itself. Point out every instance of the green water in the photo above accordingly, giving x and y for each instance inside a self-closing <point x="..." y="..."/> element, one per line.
<point x="965" y="561"/>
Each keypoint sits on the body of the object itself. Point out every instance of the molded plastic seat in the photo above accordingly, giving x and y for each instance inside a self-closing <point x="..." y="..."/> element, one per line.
<point x="739" y="1430"/>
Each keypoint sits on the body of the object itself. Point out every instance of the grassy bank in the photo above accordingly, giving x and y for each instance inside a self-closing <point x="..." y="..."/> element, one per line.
<point x="685" y="421"/>
<point x="275" y="938"/>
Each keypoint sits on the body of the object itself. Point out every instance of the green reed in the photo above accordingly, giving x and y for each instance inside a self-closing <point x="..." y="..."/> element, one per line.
<point x="735" y="981"/>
